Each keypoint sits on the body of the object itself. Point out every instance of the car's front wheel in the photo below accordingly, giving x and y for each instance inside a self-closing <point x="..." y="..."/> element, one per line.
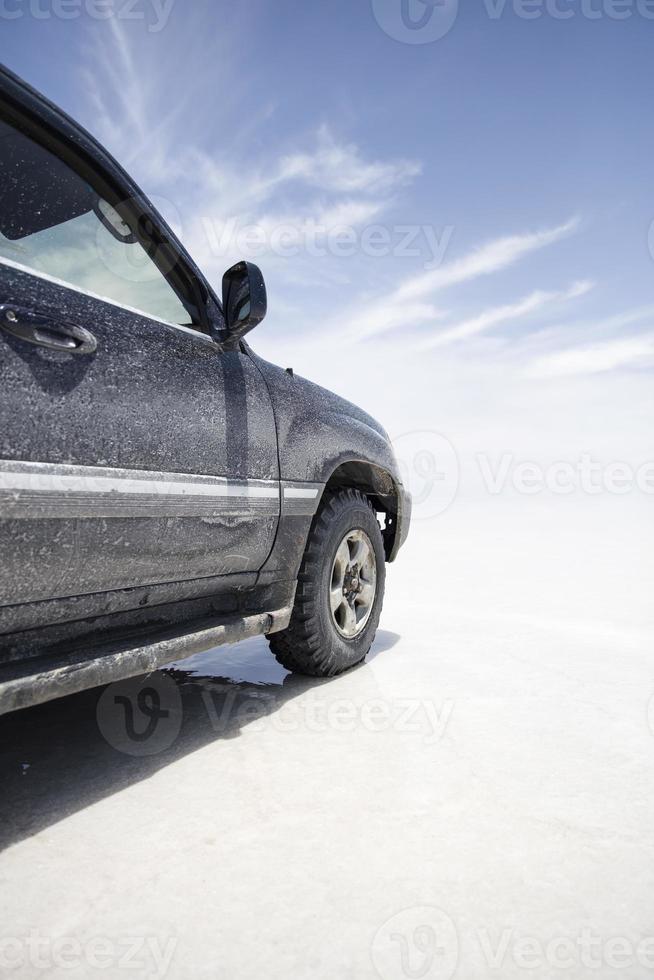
<point x="340" y="590"/>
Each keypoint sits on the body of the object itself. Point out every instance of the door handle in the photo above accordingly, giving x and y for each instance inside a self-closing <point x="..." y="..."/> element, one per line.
<point x="45" y="331"/>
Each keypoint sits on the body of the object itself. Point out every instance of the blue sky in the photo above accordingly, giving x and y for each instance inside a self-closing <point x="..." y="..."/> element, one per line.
<point x="504" y="127"/>
<point x="517" y="152"/>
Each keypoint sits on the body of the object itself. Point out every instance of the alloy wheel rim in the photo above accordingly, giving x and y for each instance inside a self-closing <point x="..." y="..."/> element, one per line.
<point x="353" y="584"/>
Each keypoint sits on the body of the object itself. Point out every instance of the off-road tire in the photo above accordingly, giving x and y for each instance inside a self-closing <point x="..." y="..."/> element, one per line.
<point x="312" y="643"/>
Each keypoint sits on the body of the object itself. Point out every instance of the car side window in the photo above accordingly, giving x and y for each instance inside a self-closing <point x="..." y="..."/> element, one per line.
<point x="52" y="222"/>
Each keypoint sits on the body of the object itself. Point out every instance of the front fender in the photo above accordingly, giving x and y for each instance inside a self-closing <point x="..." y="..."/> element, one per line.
<point x="317" y="431"/>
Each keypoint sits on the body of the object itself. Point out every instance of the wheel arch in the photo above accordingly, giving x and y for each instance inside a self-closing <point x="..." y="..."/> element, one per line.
<point x="381" y="489"/>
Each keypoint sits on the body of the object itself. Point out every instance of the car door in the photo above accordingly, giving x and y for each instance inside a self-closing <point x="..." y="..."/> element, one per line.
<point x="133" y="450"/>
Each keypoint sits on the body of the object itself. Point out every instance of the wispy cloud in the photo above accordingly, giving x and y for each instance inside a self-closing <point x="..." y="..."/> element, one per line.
<point x="214" y="196"/>
<point x="489" y="258"/>
<point x="342" y="175"/>
<point x="209" y="197"/>
<point x="499" y="315"/>
<point x="410" y="303"/>
<point x="628" y="352"/>
<point x="122" y="97"/>
<point x="340" y="167"/>
<point x="573" y="331"/>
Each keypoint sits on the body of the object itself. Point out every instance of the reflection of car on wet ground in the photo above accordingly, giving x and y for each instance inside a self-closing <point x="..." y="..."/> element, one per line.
<point x="162" y="489"/>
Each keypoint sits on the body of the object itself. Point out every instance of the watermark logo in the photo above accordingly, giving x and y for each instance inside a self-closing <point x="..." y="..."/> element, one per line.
<point x="416" y="21"/>
<point x="422" y="943"/>
<point x="141" y="716"/>
<point x="419" y="944"/>
<point x="430" y="470"/>
<point x="117" y="245"/>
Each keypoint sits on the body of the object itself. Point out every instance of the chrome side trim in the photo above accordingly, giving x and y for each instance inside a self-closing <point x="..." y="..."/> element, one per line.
<point x="32" y="490"/>
<point x="301" y="499"/>
<point x="302" y="493"/>
<point x="48" y="490"/>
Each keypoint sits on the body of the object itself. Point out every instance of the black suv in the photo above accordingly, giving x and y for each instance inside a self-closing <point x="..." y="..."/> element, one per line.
<point x="162" y="488"/>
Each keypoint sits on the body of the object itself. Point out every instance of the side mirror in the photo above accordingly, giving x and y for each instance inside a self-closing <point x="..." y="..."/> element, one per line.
<point x="244" y="299"/>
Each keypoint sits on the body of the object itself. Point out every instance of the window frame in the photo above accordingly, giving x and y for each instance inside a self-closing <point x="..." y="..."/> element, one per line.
<point x="41" y="121"/>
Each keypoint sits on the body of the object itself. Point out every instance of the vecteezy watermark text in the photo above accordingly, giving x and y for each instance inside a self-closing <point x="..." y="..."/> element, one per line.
<point x="317" y="715"/>
<point x="433" y="470"/>
<point x="147" y="955"/>
<point x="154" y="13"/>
<point x="426" y="21"/>
<point x="319" y="239"/>
<point x="588" y="950"/>
<point x="424" y="942"/>
<point x="567" y="9"/>
<point x="143" y="716"/>
<point x="565" y="477"/>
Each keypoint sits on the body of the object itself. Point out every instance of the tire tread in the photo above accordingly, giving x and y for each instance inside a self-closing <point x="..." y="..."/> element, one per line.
<point x="301" y="647"/>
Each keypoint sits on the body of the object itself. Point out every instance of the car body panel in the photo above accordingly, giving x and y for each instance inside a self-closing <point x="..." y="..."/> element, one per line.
<point x="161" y="487"/>
<point x="151" y="398"/>
<point x="319" y="432"/>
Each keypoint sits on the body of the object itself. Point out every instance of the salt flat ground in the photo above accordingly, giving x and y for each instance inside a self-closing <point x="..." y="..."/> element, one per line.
<point x="475" y="801"/>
